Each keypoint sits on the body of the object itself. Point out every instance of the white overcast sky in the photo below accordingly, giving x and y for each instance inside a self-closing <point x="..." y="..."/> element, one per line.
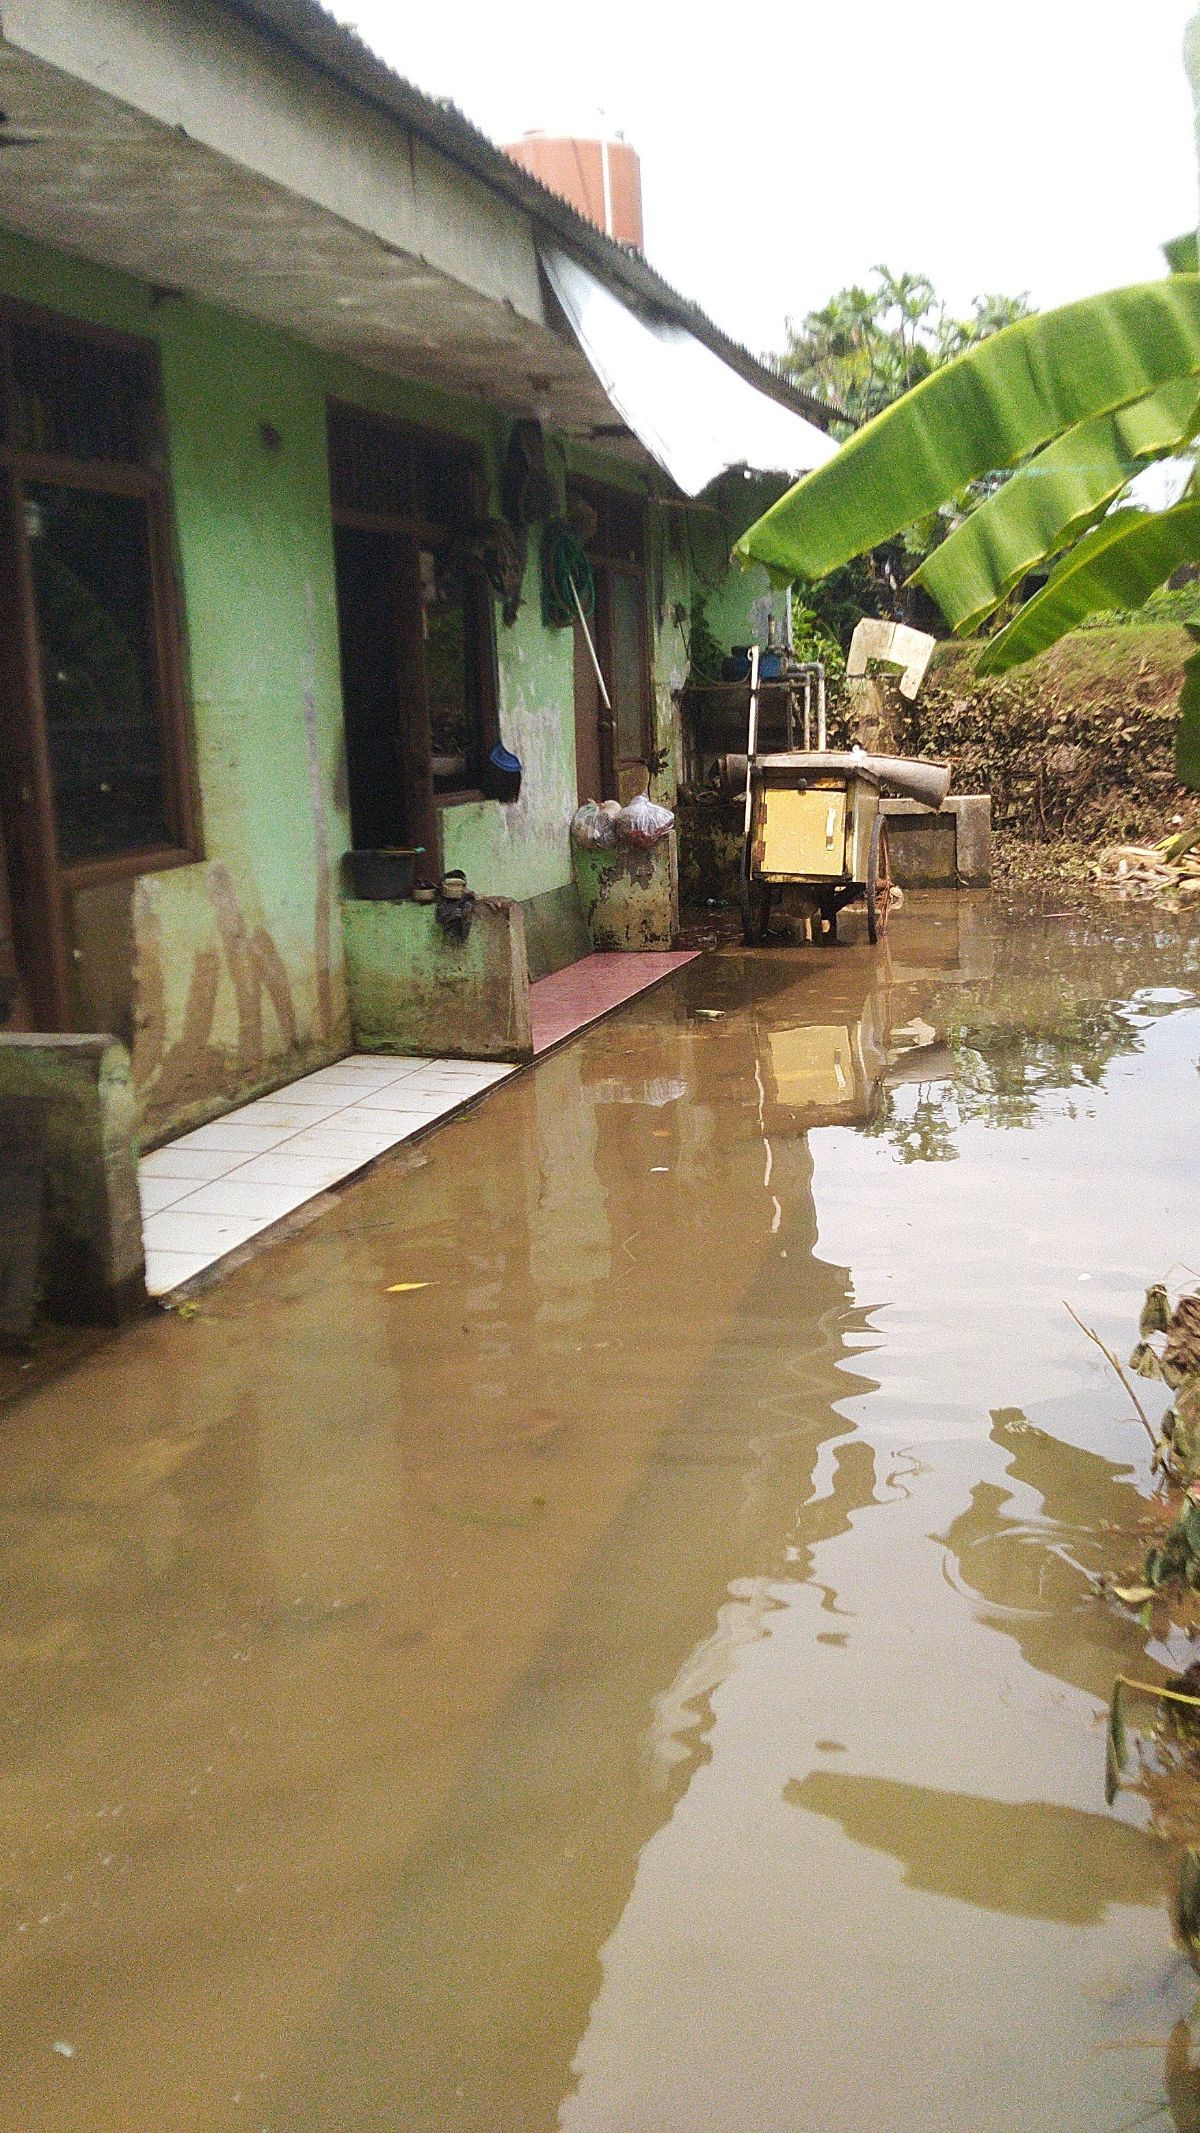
<point x="1040" y="145"/>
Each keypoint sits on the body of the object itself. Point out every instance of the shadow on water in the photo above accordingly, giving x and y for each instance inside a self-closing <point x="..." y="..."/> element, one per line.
<point x="1026" y="1857"/>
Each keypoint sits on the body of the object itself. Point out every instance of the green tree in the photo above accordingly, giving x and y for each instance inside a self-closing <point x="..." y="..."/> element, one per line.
<point x="867" y="346"/>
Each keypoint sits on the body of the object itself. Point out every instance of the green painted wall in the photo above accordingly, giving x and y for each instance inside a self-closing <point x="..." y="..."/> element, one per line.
<point x="239" y="969"/>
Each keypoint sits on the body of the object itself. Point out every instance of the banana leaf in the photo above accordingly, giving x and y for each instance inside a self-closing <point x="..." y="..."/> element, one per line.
<point x="1123" y="560"/>
<point x="1047" y="503"/>
<point x="1000" y="400"/>
<point x="1182" y="254"/>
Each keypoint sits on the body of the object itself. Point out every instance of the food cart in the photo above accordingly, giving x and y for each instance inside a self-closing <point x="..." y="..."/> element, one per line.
<point x="815" y="834"/>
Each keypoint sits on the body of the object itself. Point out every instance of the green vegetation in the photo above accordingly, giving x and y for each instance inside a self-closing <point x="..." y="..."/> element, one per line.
<point x="866" y="347"/>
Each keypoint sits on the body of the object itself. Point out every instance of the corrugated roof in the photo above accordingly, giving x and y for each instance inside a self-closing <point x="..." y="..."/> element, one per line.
<point x="309" y="33"/>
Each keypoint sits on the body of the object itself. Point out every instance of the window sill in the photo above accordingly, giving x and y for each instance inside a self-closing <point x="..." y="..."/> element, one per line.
<point x="93" y="873"/>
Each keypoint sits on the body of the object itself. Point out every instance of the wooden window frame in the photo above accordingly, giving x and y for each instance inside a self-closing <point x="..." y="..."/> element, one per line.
<point x="147" y="480"/>
<point x="422" y="532"/>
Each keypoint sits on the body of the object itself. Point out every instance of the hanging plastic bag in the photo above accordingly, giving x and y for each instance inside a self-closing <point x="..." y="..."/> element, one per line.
<point x="643" y="822"/>
<point x="591" y="828"/>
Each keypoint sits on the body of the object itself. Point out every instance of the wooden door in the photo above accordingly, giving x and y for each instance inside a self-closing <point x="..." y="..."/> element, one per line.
<point x="594" y="769"/>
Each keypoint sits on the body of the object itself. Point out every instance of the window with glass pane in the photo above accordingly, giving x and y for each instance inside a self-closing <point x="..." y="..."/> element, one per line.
<point x="90" y="557"/>
<point x="628" y="665"/>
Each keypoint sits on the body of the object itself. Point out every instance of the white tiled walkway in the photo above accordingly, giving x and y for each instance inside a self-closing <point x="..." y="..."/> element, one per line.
<point x="216" y="1188"/>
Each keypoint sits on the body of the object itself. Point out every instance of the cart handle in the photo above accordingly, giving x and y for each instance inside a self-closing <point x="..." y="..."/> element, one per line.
<point x="752" y="731"/>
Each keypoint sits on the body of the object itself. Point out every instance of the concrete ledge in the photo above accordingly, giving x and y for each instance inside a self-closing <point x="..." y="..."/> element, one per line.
<point x="415" y="990"/>
<point x="951" y="849"/>
<point x="629" y="895"/>
<point x="555" y="934"/>
<point x="93" y="1269"/>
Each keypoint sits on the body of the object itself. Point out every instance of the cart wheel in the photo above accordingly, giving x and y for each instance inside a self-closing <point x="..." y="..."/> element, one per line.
<point x="755" y="897"/>
<point x="879" y="881"/>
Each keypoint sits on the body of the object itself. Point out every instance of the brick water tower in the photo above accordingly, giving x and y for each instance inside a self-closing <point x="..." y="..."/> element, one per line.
<point x="601" y="178"/>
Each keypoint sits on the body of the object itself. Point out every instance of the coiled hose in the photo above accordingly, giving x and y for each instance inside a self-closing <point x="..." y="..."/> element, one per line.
<point x="566" y="572"/>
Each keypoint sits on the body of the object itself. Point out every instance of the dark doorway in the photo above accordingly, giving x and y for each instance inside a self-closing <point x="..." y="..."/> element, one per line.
<point x="415" y="622"/>
<point x="612" y="741"/>
<point x="390" y="803"/>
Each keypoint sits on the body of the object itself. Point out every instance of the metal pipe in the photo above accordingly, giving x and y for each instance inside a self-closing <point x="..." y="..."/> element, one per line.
<point x="751" y="735"/>
<point x="821" y="734"/>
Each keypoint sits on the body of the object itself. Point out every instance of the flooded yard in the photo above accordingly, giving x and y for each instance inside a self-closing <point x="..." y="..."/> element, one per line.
<point x="596" y="1631"/>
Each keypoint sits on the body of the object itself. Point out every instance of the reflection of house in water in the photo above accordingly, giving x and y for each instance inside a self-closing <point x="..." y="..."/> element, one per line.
<point x="467" y="2001"/>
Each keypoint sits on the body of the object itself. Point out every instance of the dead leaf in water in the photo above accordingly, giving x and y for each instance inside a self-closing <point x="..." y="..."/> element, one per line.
<point x="1115" y="1748"/>
<point x="405" y="1288"/>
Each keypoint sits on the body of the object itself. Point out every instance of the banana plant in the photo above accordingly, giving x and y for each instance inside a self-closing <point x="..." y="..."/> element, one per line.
<point x="1076" y="400"/>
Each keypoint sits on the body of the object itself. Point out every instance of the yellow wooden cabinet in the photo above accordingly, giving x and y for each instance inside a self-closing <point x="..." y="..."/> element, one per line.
<point x="801" y="833"/>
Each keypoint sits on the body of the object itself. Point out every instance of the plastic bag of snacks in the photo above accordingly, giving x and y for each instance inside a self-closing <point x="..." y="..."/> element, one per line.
<point x="592" y="828"/>
<point x="643" y="822"/>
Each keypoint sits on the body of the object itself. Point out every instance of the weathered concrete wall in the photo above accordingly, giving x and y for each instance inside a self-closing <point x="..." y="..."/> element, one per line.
<point x="737" y="602"/>
<point x="93" y="1268"/>
<point x="630" y="895"/>
<point x="415" y="989"/>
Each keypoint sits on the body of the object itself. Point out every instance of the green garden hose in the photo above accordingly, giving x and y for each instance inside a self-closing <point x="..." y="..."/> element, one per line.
<point x="566" y="574"/>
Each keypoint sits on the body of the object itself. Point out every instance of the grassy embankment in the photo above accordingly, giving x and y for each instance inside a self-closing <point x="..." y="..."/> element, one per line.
<point x="1076" y="749"/>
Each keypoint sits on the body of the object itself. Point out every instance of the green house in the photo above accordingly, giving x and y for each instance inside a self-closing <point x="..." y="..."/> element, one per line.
<point x="296" y="369"/>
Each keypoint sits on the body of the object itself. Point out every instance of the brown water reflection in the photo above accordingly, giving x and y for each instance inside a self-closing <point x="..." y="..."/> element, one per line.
<point x="420" y="1711"/>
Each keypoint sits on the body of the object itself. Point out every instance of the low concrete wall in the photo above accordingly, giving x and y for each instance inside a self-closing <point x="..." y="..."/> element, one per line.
<point x="93" y="1268"/>
<point x="555" y="934"/>
<point x="415" y="989"/>
<point x="629" y="895"/>
<point x="951" y="849"/>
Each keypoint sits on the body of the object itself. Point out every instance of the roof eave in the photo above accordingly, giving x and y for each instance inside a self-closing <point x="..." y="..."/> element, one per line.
<point x="309" y="33"/>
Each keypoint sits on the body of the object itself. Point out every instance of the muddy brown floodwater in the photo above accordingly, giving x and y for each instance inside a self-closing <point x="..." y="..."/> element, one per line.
<point x="646" y="1680"/>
